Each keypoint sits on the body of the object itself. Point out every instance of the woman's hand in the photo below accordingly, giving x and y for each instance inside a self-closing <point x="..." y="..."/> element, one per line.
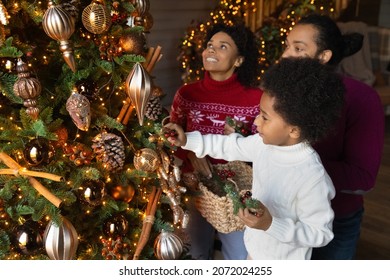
<point x="227" y="129"/>
<point x="180" y="138"/>
<point x="258" y="219"/>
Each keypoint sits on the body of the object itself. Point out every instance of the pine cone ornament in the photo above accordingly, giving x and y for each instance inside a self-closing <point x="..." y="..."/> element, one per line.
<point x="109" y="150"/>
<point x="71" y="7"/>
<point x="153" y="108"/>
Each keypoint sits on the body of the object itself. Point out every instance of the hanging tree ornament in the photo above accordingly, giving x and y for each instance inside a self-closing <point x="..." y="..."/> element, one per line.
<point x="28" y="88"/>
<point x="147" y="22"/>
<point x="92" y="192"/>
<point x="109" y="150"/>
<point x="96" y="17"/>
<point x="61" y="241"/>
<point x="88" y="88"/>
<point x="29" y="237"/>
<point x="3" y="15"/>
<point x="146" y="160"/>
<point x="123" y="192"/>
<point x="60" y="25"/>
<point x="79" y="109"/>
<point x="168" y="246"/>
<point x="38" y="151"/>
<point x="138" y="88"/>
<point x="116" y="226"/>
<point x="141" y="6"/>
<point x="133" y="42"/>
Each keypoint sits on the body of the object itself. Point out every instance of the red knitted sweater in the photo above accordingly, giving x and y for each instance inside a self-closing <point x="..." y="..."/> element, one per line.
<point x="204" y="106"/>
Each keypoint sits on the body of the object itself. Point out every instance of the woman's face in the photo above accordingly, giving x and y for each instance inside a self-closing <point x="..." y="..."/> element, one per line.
<point x="301" y="42"/>
<point x="272" y="127"/>
<point x="221" y="57"/>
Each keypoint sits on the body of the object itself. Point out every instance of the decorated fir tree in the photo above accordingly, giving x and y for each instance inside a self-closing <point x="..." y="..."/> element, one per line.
<point x="85" y="172"/>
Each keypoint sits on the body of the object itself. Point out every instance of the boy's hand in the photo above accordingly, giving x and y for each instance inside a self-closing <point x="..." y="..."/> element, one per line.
<point x="261" y="219"/>
<point x="175" y="135"/>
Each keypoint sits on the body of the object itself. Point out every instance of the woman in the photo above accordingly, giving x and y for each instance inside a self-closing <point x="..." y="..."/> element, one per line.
<point x="351" y="154"/>
<point x="230" y="60"/>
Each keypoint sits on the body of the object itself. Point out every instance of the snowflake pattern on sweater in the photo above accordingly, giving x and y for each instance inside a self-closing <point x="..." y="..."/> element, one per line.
<point x="203" y="106"/>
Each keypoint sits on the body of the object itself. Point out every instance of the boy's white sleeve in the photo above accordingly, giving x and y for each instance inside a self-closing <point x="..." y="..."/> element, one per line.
<point x="227" y="147"/>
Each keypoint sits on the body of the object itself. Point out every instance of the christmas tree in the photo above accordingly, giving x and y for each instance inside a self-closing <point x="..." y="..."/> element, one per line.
<point x="85" y="172"/>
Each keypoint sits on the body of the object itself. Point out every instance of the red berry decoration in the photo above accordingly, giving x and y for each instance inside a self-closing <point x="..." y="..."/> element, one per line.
<point x="169" y="132"/>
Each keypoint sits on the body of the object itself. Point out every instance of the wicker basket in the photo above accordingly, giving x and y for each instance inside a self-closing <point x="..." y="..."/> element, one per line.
<point x="218" y="210"/>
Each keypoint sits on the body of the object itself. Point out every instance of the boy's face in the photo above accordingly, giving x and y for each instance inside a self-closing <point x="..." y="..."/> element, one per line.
<point x="272" y="127"/>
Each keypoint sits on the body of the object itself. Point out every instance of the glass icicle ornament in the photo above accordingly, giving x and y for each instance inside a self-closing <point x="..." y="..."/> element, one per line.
<point x="60" y="25"/>
<point x="3" y="15"/>
<point x="28" y="88"/>
<point x="142" y="6"/>
<point x="139" y="89"/>
<point x="96" y="17"/>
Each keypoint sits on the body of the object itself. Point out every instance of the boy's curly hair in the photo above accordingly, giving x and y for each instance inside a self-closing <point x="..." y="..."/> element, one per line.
<point x="307" y="94"/>
<point x="248" y="47"/>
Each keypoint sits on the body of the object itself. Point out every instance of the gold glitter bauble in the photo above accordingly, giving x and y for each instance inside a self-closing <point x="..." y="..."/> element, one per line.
<point x="146" y="160"/>
<point x="96" y="18"/>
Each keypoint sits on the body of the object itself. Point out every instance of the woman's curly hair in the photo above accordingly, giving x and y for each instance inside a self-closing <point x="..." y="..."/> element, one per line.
<point x="307" y="94"/>
<point x="248" y="47"/>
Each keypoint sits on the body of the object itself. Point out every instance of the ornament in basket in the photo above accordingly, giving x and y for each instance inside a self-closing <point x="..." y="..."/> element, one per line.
<point x="218" y="206"/>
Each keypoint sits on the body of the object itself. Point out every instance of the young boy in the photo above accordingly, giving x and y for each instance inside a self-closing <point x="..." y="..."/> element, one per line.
<point x="301" y="101"/>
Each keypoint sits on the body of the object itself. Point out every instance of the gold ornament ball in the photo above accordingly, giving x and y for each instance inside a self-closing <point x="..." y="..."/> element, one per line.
<point x="133" y="43"/>
<point x="157" y="92"/>
<point x="146" y="160"/>
<point x="123" y="193"/>
<point x="62" y="137"/>
<point x="96" y="18"/>
<point x="147" y="21"/>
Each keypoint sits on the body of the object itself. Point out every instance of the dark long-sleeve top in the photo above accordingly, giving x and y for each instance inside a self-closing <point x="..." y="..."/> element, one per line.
<point x="352" y="153"/>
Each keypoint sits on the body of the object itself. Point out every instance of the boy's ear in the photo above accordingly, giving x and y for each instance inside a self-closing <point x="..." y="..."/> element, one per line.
<point x="295" y="132"/>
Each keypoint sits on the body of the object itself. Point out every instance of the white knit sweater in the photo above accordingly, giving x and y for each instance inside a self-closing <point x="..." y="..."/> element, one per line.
<point x="290" y="181"/>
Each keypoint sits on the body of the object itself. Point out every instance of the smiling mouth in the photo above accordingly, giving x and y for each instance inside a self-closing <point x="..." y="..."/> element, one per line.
<point x="211" y="59"/>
